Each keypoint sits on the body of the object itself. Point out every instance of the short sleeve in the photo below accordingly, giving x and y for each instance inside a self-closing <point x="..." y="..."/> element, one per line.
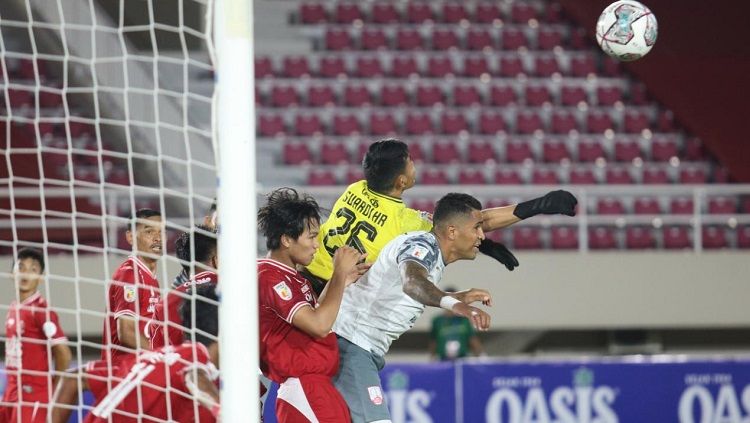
<point x="50" y="325"/>
<point x="420" y="250"/>
<point x="415" y="220"/>
<point x="122" y="294"/>
<point x="282" y="296"/>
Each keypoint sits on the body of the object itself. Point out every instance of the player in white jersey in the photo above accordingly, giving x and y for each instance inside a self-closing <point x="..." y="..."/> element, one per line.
<point x="388" y="299"/>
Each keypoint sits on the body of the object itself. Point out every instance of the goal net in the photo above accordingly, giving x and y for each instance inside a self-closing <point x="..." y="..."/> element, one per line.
<point x="108" y="107"/>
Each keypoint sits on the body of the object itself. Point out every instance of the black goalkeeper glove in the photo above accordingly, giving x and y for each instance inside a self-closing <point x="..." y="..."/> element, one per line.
<point x="498" y="252"/>
<point x="555" y="202"/>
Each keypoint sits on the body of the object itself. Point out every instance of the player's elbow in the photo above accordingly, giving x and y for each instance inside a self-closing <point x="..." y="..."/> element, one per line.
<point x="320" y="331"/>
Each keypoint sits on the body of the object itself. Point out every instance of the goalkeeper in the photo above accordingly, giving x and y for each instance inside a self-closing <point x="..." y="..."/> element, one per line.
<point x="370" y="213"/>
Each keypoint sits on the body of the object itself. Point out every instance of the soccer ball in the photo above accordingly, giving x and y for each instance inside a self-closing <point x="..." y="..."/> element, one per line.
<point x="626" y="30"/>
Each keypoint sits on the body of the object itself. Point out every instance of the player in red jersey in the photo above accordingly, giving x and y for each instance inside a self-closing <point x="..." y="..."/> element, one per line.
<point x="32" y="332"/>
<point x="298" y="349"/>
<point x="133" y="293"/>
<point x="166" y="326"/>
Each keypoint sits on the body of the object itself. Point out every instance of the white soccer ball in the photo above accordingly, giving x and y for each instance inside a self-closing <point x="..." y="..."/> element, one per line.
<point x="626" y="30"/>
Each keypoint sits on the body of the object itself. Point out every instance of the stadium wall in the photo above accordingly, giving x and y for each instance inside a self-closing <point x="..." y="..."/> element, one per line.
<point x="548" y="290"/>
<point x="698" y="69"/>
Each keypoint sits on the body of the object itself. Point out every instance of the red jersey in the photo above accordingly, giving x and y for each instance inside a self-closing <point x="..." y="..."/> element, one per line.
<point x="133" y="292"/>
<point x="286" y="351"/>
<point x="166" y="326"/>
<point x="29" y="328"/>
<point x="153" y="384"/>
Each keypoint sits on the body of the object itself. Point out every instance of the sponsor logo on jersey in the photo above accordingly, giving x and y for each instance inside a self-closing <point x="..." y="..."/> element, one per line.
<point x="283" y="290"/>
<point x="128" y="292"/>
<point x="376" y="395"/>
<point x="419" y="252"/>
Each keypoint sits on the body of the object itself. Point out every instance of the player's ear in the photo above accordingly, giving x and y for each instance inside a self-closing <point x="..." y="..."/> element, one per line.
<point x="452" y="232"/>
<point x="129" y="236"/>
<point x="285" y="241"/>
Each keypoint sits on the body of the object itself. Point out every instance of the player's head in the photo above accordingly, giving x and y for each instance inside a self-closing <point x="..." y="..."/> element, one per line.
<point x="203" y="307"/>
<point x="388" y="166"/>
<point x="458" y="221"/>
<point x="145" y="232"/>
<point x="28" y="269"/>
<point x="211" y="220"/>
<point x="290" y="222"/>
<point x="199" y="245"/>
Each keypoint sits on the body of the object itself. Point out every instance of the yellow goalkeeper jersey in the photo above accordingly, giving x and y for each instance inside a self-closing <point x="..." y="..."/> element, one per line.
<point x="365" y="220"/>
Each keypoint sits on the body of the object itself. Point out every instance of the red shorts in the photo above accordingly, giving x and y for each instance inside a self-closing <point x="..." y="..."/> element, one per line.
<point x="310" y="398"/>
<point x="34" y="407"/>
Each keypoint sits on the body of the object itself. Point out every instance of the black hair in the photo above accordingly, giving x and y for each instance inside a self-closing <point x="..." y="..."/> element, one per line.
<point x="143" y="214"/>
<point x="31" y="253"/>
<point x="203" y="306"/>
<point x="211" y="209"/>
<point x="286" y="213"/>
<point x="202" y="244"/>
<point x="454" y="204"/>
<point x="384" y="161"/>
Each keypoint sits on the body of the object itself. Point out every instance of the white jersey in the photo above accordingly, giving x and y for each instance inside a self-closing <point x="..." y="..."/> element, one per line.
<point x="375" y="311"/>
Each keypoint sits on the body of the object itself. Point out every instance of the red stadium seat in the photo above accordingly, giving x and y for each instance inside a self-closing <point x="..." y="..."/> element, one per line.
<point x="517" y="151"/>
<point x="393" y="95"/>
<point x="356" y="95"/>
<point x="602" y="238"/>
<point x="537" y="95"/>
<point x="491" y="123"/>
<point x="745" y="204"/>
<point x="296" y="153"/>
<point x="338" y="39"/>
<point x="475" y="66"/>
<point x="513" y="39"/>
<point x="333" y="153"/>
<point x="646" y="205"/>
<point x="582" y="65"/>
<point x="502" y="95"/>
<point x="681" y="205"/>
<point x="346" y="124"/>
<point x="270" y="125"/>
<point x="373" y="39"/>
<point x="453" y="122"/>
<point x="418" y="12"/>
<point x="507" y="177"/>
<point x="384" y="12"/>
<point x="663" y="148"/>
<point x="544" y="177"/>
<point x="404" y="66"/>
<point x="564" y="238"/>
<point x="608" y="95"/>
<point x="590" y="150"/>
<point x="639" y="237"/>
<point x="743" y="236"/>
<point x="445" y="153"/>
<point x="432" y="176"/>
<point x="382" y="124"/>
<point x="354" y="174"/>
<point x="487" y="12"/>
<point x="320" y="177"/>
<point x="429" y="95"/>
<point x="638" y="94"/>
<point x="511" y="66"/>
<point x="694" y="150"/>
<point x="555" y="151"/>
<point x="284" y="96"/>
<point x="19" y="98"/>
<point x="521" y="12"/>
<point x="50" y="99"/>
<point x="479" y="39"/>
<point x="263" y="67"/>
<point x="423" y="204"/>
<point x="528" y="122"/>
<point x="418" y="123"/>
<point x="444" y="39"/>
<point x="635" y="122"/>
<point x="721" y="175"/>
<point x="714" y="237"/>
<point x="665" y="121"/>
<point x="347" y="13"/>
<point x="368" y="67"/>
<point x="527" y="238"/>
<point x="332" y="67"/>
<point x="618" y="175"/>
<point x="571" y="95"/>
<point x="416" y="152"/>
<point x="655" y="175"/>
<point x="549" y="38"/>
<point x="598" y="121"/>
<point x="471" y="177"/>
<point x="408" y="39"/>
<point x="320" y="95"/>
<point x="553" y="13"/>
<point x="722" y="205"/>
<point x="611" y="67"/>
<point x="579" y="39"/>
<point x="563" y="122"/>
<point x="466" y="95"/>
<point x="610" y="206"/>
<point x="480" y="152"/>
<point x="308" y="124"/>
<point x="312" y="13"/>
<point x="582" y="176"/>
<point x="626" y="150"/>
<point x="454" y="13"/>
<point x="295" y="66"/>
<point x="693" y="175"/>
<point x="439" y="66"/>
<point x="676" y="237"/>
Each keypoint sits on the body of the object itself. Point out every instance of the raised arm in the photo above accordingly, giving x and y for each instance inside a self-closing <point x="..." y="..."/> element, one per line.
<point x="554" y="202"/>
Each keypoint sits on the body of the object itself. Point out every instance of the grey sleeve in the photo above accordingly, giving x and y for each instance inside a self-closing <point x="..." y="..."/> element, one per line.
<point x="421" y="250"/>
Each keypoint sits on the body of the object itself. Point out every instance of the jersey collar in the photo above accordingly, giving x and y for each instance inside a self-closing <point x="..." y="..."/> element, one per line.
<point x="138" y="262"/>
<point x="32" y="298"/>
<point x="278" y="264"/>
<point x="387" y="197"/>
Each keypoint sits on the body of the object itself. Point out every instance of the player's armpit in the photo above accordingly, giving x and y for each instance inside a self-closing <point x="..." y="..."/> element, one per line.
<point x="417" y="284"/>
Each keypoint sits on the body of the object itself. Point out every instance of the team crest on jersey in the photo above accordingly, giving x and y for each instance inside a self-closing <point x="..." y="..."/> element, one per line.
<point x="376" y="395"/>
<point x="128" y="292"/>
<point x="283" y="290"/>
<point x="419" y="252"/>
